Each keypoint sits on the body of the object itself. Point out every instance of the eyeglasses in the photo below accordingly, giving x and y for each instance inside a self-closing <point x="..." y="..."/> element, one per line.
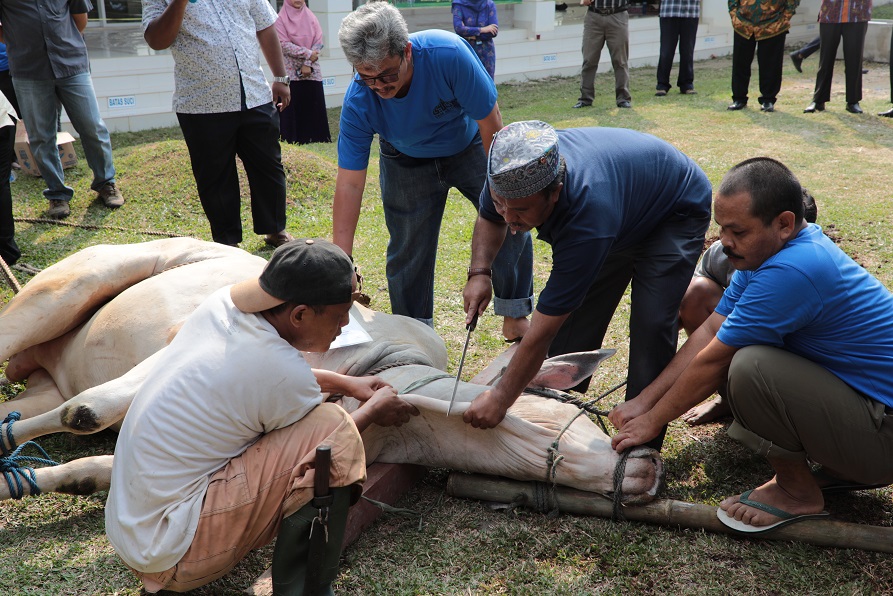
<point x="385" y="79"/>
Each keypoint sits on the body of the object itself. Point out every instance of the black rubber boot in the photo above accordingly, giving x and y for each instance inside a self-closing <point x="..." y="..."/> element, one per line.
<point x="292" y="551"/>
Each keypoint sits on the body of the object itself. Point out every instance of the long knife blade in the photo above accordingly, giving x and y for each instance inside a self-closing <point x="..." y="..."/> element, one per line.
<point x="470" y="327"/>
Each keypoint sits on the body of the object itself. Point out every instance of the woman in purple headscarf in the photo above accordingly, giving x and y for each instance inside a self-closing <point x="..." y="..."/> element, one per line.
<point x="475" y="20"/>
<point x="305" y="119"/>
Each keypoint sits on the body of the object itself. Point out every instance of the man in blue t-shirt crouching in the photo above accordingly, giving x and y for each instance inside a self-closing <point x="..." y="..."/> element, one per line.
<point x="803" y="337"/>
<point x="433" y="106"/>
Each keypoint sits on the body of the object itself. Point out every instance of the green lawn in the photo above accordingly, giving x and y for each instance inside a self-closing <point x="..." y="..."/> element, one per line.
<point x="55" y="544"/>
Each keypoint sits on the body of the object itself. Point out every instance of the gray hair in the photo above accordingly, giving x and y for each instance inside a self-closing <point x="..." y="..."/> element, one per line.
<point x="372" y="33"/>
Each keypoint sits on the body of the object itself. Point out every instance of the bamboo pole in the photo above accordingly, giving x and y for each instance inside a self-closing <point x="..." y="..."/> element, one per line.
<point x="667" y="512"/>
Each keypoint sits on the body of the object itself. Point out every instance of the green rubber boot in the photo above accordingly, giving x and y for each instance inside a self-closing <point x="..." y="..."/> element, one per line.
<point x="292" y="552"/>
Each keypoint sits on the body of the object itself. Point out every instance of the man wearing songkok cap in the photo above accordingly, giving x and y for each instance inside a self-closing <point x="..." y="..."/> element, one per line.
<point x="216" y="454"/>
<point x="433" y="106"/>
<point x="610" y="222"/>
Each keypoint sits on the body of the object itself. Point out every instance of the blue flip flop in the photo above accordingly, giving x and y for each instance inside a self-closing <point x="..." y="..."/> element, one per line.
<point x="785" y="518"/>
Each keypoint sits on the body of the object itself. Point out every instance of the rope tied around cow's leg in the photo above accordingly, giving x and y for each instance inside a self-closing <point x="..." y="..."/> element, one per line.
<point x="619" y="475"/>
<point x="7" y="423"/>
<point x="14" y="472"/>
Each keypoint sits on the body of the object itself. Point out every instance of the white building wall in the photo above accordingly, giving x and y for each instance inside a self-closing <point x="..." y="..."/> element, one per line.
<point x="534" y="42"/>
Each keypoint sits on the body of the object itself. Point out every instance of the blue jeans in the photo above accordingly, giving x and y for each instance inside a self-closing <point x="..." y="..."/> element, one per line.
<point x="40" y="113"/>
<point x="414" y="193"/>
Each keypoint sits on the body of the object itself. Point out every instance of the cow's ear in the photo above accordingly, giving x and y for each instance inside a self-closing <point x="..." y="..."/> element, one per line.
<point x="568" y="370"/>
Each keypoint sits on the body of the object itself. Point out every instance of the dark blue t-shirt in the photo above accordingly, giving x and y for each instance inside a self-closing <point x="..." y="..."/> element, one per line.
<point x="450" y="91"/>
<point x="620" y="185"/>
<point x="813" y="300"/>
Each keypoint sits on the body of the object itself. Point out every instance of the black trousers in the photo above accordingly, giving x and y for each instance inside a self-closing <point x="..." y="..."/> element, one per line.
<point x="9" y="250"/>
<point x="770" y="61"/>
<point x="214" y="141"/>
<point x="809" y="49"/>
<point x="683" y="31"/>
<point x="853" y="35"/>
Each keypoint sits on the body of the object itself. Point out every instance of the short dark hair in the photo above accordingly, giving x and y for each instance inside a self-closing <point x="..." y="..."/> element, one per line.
<point x="772" y="187"/>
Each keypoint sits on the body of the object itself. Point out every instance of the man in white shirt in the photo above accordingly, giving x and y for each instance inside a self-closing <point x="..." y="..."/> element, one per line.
<point x="216" y="453"/>
<point x="225" y="106"/>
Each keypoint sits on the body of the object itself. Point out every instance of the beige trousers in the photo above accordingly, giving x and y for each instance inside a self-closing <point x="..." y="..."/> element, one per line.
<point x="600" y="30"/>
<point x="248" y="498"/>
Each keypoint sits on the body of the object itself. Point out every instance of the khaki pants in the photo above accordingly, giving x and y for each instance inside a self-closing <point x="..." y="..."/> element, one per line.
<point x="248" y="498"/>
<point x="600" y="30"/>
<point x="786" y="406"/>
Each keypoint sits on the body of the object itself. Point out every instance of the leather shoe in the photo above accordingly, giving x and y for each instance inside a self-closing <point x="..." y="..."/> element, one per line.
<point x="660" y="93"/>
<point x="816" y="106"/>
<point x="853" y="108"/>
<point x="887" y="114"/>
<point x="767" y="106"/>
<point x="797" y="59"/>
<point x="688" y="92"/>
<point x="624" y="104"/>
<point x="580" y="104"/>
<point x="59" y="209"/>
<point x="278" y="239"/>
<point x="737" y="105"/>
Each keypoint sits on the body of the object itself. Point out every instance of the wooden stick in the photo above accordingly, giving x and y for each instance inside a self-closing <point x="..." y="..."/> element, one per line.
<point x="667" y="512"/>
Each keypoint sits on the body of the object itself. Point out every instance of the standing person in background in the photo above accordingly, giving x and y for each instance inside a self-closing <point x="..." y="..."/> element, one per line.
<point x="7" y="89"/>
<point x="48" y="59"/>
<point x="678" y="24"/>
<point x="216" y="45"/>
<point x="848" y="21"/>
<point x="889" y="113"/>
<point x="761" y="28"/>
<point x="476" y="22"/>
<point x="9" y="250"/>
<point x="606" y="23"/>
<point x="305" y="119"/>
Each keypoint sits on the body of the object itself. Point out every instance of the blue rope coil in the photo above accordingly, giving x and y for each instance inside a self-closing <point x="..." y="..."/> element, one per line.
<point x="11" y="464"/>
<point x="10" y="418"/>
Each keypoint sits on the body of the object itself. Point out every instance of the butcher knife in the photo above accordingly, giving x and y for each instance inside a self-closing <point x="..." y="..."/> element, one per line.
<point x="470" y="327"/>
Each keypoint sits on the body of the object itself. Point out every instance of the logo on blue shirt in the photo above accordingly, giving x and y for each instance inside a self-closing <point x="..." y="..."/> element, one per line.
<point x="444" y="107"/>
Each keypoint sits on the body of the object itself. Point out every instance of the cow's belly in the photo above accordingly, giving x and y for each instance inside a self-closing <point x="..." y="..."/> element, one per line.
<point x="139" y="321"/>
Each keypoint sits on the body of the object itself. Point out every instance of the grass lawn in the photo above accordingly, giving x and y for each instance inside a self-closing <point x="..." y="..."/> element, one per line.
<point x="55" y="544"/>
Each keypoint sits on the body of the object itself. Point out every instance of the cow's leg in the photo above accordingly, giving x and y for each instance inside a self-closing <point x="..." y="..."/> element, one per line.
<point x="40" y="397"/>
<point x="83" y="476"/>
<point x="88" y="412"/>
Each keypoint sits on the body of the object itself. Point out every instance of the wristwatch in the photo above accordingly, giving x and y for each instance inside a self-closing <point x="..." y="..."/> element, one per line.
<point x="285" y="80"/>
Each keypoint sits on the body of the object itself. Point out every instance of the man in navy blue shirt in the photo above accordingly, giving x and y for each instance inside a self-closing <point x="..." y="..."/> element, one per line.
<point x="610" y="223"/>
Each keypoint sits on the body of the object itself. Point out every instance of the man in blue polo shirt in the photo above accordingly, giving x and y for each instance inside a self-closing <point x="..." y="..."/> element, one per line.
<point x="433" y="106"/>
<point x="804" y="338"/>
<point x="610" y="223"/>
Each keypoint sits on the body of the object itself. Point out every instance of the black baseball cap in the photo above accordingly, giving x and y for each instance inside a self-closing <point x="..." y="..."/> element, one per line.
<point x="305" y="271"/>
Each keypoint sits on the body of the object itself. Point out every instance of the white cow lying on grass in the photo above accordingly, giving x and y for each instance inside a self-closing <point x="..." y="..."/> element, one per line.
<point x="85" y="331"/>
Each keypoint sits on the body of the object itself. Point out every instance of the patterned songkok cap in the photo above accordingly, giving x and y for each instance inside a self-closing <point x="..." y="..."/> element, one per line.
<point x="523" y="159"/>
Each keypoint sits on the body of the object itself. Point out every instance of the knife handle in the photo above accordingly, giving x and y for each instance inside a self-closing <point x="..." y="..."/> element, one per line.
<point x="473" y="324"/>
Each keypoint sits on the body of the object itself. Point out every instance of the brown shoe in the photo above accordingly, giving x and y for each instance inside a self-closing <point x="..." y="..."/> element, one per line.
<point x="278" y="239"/>
<point x="58" y="209"/>
<point x="111" y="196"/>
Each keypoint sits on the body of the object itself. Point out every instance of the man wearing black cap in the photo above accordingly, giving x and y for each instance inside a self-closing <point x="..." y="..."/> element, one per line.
<point x="216" y="454"/>
<point x="610" y="224"/>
